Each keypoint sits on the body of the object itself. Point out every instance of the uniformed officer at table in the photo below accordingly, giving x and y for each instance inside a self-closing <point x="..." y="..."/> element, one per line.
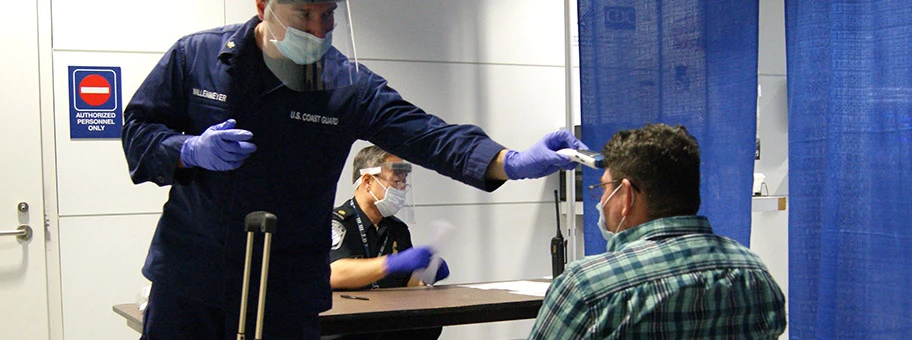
<point x="372" y="248"/>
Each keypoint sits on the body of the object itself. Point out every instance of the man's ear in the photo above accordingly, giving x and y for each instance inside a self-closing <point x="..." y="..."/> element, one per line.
<point x="261" y="8"/>
<point x="366" y="180"/>
<point x="629" y="197"/>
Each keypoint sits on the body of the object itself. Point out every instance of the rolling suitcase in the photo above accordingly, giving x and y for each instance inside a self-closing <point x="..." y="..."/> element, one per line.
<point x="266" y="223"/>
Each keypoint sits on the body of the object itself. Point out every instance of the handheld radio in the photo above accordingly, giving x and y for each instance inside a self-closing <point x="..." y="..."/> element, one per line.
<point x="558" y="245"/>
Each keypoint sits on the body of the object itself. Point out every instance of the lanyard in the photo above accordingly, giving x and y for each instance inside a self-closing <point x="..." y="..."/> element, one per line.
<point x="363" y="232"/>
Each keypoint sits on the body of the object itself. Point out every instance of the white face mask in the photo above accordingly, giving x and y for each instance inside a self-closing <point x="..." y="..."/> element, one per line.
<point x="393" y="200"/>
<point x="301" y="47"/>
<point x="608" y="235"/>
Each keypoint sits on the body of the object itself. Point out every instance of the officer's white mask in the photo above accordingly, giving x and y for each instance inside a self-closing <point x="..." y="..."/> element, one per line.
<point x="393" y="200"/>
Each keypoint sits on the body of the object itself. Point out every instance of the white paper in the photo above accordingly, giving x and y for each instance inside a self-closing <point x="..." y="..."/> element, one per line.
<point x="758" y="182"/>
<point x="441" y="229"/>
<point x="429" y="275"/>
<point x="142" y="298"/>
<point x="533" y="288"/>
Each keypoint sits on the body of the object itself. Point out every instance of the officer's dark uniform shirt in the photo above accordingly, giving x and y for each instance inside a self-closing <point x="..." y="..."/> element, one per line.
<point x="389" y="237"/>
<point x="302" y="139"/>
<point x="347" y="243"/>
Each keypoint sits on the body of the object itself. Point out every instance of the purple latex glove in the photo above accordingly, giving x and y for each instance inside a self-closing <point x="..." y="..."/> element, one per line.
<point x="541" y="159"/>
<point x="221" y="147"/>
<point x="408" y="260"/>
<point x="442" y="272"/>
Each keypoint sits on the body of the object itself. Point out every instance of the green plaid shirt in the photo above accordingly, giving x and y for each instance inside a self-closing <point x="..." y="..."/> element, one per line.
<point x="670" y="278"/>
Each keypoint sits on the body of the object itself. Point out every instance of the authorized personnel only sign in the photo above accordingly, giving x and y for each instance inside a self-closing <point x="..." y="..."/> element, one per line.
<point x="95" y="104"/>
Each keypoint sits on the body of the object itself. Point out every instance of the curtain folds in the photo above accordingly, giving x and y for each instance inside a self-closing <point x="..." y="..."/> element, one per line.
<point x="688" y="62"/>
<point x="850" y="144"/>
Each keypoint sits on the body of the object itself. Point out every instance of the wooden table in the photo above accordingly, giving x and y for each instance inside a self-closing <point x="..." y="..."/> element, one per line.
<point x="407" y="308"/>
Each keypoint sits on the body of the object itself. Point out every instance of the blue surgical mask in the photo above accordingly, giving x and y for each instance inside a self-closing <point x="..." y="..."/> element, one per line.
<point x="303" y="48"/>
<point x="608" y="235"/>
<point x="601" y="222"/>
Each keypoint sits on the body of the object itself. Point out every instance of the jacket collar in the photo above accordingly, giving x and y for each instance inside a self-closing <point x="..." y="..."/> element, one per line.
<point x="243" y="39"/>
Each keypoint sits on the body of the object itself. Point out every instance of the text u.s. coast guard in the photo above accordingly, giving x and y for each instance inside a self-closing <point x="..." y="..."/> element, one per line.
<point x="312" y="118"/>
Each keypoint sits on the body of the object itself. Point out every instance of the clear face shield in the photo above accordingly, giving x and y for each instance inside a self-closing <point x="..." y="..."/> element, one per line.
<point x="399" y="199"/>
<point x="309" y="44"/>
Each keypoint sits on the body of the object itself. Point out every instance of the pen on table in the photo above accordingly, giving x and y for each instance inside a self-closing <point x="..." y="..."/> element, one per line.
<point x="354" y="297"/>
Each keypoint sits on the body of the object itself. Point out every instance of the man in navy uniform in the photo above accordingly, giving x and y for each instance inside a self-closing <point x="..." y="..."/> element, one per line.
<point x="260" y="116"/>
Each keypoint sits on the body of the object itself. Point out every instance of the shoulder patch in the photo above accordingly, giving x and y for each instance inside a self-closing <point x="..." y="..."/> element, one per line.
<point x="343" y="212"/>
<point x="338" y="234"/>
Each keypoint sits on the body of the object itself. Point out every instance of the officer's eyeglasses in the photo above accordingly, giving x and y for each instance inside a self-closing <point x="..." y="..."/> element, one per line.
<point x="398" y="182"/>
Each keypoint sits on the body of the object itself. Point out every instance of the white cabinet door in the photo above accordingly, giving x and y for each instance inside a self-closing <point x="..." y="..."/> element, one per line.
<point x="23" y="284"/>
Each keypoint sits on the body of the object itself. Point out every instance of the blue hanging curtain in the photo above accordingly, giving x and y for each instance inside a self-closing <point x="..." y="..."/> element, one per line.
<point x="687" y="62"/>
<point x="850" y="144"/>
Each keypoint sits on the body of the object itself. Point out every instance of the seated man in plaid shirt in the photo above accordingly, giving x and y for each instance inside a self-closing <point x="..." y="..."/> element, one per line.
<point x="665" y="275"/>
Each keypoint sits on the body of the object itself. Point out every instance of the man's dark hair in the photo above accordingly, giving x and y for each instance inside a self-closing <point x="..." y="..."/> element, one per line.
<point x="368" y="157"/>
<point x="661" y="161"/>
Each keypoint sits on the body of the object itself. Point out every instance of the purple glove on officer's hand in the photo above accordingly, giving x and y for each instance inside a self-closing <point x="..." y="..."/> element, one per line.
<point x="443" y="271"/>
<point x="541" y="159"/>
<point x="221" y="147"/>
<point x="408" y="260"/>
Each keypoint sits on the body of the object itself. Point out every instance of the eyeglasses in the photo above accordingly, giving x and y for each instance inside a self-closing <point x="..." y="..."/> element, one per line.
<point x="597" y="190"/>
<point x="398" y="182"/>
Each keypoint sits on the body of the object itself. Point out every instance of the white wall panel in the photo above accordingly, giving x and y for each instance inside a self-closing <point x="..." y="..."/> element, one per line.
<point x="490" y="243"/>
<point x="92" y="175"/>
<point x="769" y="240"/>
<point x="497" y="330"/>
<point x="772" y="128"/>
<point x="483" y="31"/>
<point x="239" y="10"/>
<point x="100" y="262"/>
<point x="769" y="230"/>
<point x="116" y="25"/>
<point x="772" y="37"/>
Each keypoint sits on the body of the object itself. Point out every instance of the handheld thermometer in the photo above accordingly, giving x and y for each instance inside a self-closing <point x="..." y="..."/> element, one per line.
<point x="588" y="158"/>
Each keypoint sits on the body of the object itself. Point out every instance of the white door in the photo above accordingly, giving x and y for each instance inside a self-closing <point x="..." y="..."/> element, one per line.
<point x="23" y="284"/>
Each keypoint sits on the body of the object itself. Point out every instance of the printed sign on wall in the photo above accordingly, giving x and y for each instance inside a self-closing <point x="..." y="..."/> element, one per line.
<point x="95" y="104"/>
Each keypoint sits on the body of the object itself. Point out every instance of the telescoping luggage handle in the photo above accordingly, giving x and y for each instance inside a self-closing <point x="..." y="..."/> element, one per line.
<point x="266" y="223"/>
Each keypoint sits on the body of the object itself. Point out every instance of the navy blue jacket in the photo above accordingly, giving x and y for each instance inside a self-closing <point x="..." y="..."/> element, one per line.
<point x="303" y="140"/>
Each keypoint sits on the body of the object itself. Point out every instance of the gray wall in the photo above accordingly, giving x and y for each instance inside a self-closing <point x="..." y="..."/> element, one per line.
<point x="769" y="228"/>
<point x="498" y="64"/>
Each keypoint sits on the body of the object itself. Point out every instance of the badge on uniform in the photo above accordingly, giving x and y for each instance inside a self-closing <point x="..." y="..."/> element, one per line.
<point x="338" y="234"/>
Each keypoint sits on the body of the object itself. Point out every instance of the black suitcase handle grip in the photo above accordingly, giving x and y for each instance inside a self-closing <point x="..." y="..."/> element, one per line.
<point x="260" y="221"/>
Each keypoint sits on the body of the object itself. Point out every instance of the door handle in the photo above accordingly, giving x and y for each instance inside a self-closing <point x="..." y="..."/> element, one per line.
<point x="23" y="233"/>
